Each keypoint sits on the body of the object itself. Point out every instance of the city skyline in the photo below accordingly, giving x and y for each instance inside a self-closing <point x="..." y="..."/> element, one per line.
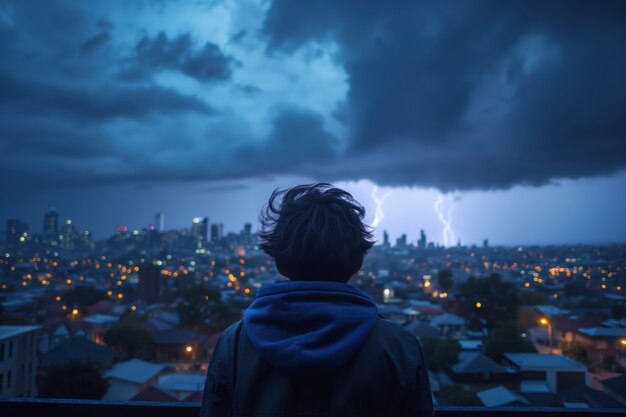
<point x="406" y="211"/>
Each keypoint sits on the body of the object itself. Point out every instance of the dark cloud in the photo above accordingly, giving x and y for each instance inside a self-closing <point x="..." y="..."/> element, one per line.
<point x="92" y="104"/>
<point x="207" y="64"/>
<point x="472" y="95"/>
<point x="297" y="143"/>
<point x="95" y="42"/>
<point x="453" y="95"/>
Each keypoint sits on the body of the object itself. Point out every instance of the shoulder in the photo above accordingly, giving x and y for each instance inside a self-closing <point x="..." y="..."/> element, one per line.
<point x="229" y="337"/>
<point x="393" y="329"/>
<point x="397" y="336"/>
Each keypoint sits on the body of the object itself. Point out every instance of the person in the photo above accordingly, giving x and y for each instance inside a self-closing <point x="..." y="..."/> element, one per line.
<point x="314" y="345"/>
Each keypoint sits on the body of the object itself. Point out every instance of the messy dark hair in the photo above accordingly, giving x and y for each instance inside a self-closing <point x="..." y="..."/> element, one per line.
<point x="315" y="232"/>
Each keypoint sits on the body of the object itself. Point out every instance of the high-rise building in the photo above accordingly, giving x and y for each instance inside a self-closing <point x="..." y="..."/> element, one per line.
<point x="385" y="239"/>
<point x="486" y="243"/>
<point x="217" y="232"/>
<point x="18" y="361"/>
<point x="247" y="229"/>
<point x="159" y="222"/>
<point x="200" y="229"/>
<point x="421" y="243"/>
<point x="51" y="227"/>
<point x="401" y="241"/>
<point x="16" y="232"/>
<point x="149" y="285"/>
<point x="68" y="235"/>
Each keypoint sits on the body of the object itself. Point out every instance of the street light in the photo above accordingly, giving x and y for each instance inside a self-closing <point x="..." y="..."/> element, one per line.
<point x="546" y="322"/>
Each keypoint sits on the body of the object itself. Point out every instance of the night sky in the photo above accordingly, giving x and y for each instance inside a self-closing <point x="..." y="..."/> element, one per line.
<point x="508" y="116"/>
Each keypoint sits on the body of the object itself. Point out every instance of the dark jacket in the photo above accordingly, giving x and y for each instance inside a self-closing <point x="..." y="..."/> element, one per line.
<point x="316" y="349"/>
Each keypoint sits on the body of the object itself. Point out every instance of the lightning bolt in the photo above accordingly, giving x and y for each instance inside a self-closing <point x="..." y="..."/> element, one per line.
<point x="446" y="220"/>
<point x="379" y="215"/>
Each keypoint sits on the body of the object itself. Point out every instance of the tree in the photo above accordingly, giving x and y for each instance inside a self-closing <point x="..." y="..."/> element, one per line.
<point x="440" y="352"/>
<point x="507" y="338"/>
<point x="83" y="296"/>
<point x="445" y="280"/>
<point x="74" y="380"/>
<point x="195" y="305"/>
<point x="533" y="298"/>
<point x="489" y="301"/>
<point x="457" y="395"/>
<point x="130" y="339"/>
<point x="575" y="351"/>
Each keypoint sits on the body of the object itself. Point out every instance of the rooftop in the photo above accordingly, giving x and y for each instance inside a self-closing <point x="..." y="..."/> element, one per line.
<point x="472" y="362"/>
<point x="12" y="331"/>
<point x="499" y="396"/>
<point x="134" y="370"/>
<point x="542" y="360"/>
<point x="604" y="332"/>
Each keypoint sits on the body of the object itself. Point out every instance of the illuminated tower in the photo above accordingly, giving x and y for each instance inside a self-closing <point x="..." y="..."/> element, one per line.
<point x="200" y="230"/>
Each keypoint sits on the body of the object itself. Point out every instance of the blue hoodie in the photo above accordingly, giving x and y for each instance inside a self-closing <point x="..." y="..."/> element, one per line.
<point x="309" y="326"/>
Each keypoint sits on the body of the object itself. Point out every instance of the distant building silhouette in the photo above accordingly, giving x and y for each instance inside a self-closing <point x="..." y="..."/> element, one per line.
<point x="247" y="229"/>
<point x="421" y="243"/>
<point x="159" y="222"/>
<point x="385" y="239"/>
<point x="51" y="227"/>
<point x="200" y="230"/>
<point x="15" y="230"/>
<point x="149" y="283"/>
<point x="217" y="232"/>
<point x="68" y="235"/>
<point x="486" y="243"/>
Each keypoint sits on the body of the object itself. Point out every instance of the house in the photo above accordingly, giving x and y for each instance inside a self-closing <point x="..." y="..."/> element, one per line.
<point x="587" y="397"/>
<point x="603" y="344"/>
<point x="99" y="323"/>
<point x="476" y="367"/>
<point x="18" y="361"/>
<point x="558" y="372"/>
<point x="182" y="386"/>
<point x="129" y="378"/>
<point x="77" y="348"/>
<point x="422" y="330"/>
<point x="501" y="396"/>
<point x="616" y="388"/>
<point x="449" y="324"/>
<point x="154" y="394"/>
<point x="176" y="345"/>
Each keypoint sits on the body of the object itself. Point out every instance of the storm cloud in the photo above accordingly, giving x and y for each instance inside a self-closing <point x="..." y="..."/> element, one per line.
<point x="477" y="94"/>
<point x="458" y="96"/>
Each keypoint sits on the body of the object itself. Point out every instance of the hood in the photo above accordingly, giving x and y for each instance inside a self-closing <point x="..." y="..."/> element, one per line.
<point x="309" y="325"/>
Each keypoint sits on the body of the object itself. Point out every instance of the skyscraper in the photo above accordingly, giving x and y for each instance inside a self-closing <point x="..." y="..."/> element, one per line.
<point x="421" y="243"/>
<point x="68" y="235"/>
<point x="16" y="232"/>
<point x="51" y="227"/>
<point x="200" y="230"/>
<point x="247" y="229"/>
<point x="217" y="232"/>
<point x="159" y="222"/>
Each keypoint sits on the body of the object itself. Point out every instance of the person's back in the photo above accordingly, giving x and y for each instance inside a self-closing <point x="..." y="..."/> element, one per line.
<point x="314" y="345"/>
